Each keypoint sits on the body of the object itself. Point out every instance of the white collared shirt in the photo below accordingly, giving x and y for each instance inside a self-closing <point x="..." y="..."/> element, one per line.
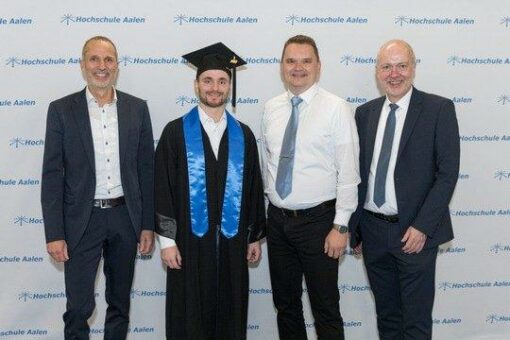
<point x="390" y="206"/>
<point x="326" y="164"/>
<point x="215" y="131"/>
<point x="105" y="136"/>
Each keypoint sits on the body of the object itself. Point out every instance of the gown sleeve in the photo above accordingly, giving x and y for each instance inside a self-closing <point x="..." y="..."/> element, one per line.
<point x="164" y="172"/>
<point x="257" y="214"/>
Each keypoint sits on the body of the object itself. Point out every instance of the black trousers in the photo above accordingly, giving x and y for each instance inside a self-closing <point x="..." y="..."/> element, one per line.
<point x="110" y="234"/>
<point x="403" y="284"/>
<point x="296" y="248"/>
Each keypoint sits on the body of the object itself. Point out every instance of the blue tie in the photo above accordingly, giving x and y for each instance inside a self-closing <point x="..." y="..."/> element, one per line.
<point x="384" y="158"/>
<point x="286" y="164"/>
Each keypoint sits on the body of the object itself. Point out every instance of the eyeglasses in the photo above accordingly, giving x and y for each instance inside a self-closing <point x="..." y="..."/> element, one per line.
<point x="400" y="68"/>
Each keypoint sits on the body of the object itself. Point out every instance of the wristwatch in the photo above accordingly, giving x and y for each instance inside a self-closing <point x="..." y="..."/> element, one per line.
<point x="342" y="229"/>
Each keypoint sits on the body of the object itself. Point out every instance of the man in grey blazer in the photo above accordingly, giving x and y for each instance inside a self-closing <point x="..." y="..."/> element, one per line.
<point x="409" y="164"/>
<point x="97" y="190"/>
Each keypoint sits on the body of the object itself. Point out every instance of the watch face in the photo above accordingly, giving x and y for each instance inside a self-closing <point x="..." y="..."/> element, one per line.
<point x="343" y="229"/>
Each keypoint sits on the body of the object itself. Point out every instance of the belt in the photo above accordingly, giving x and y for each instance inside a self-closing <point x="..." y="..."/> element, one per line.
<point x="386" y="218"/>
<point x="309" y="211"/>
<point x="109" y="202"/>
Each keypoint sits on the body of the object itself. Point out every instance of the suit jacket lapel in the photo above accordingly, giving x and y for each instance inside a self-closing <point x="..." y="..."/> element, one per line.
<point x="123" y="118"/>
<point x="373" y="122"/>
<point x="412" y="115"/>
<point x="80" y="112"/>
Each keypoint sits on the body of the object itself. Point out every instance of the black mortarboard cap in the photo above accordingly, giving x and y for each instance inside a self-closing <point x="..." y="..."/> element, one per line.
<point x="217" y="57"/>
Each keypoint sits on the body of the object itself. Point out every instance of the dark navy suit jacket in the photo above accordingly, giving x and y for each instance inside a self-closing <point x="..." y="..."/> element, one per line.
<point x="427" y="164"/>
<point x="68" y="178"/>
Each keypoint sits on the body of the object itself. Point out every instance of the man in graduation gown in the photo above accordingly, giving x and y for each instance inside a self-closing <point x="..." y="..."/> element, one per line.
<point x="209" y="207"/>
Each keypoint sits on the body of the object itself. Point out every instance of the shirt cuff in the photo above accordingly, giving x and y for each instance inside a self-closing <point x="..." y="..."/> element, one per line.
<point x="165" y="242"/>
<point x="342" y="218"/>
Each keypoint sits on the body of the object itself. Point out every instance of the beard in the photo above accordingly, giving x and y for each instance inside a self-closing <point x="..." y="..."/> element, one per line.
<point x="92" y="81"/>
<point x="203" y="99"/>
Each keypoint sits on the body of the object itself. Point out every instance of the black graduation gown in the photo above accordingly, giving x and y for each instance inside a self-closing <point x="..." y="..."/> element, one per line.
<point x="208" y="297"/>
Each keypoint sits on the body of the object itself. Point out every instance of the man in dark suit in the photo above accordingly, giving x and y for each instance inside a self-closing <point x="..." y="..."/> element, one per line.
<point x="97" y="190"/>
<point x="409" y="163"/>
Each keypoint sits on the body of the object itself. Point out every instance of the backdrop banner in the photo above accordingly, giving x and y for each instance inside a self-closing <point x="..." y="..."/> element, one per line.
<point x="463" y="52"/>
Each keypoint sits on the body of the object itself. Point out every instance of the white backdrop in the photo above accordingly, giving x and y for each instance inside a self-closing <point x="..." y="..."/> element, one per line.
<point x="463" y="49"/>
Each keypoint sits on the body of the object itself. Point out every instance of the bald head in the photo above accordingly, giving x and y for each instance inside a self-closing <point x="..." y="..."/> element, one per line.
<point x="397" y="43"/>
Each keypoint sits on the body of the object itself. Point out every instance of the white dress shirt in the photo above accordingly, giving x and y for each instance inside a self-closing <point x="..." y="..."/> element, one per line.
<point x="215" y="131"/>
<point x="390" y="205"/>
<point x="105" y="136"/>
<point x="326" y="160"/>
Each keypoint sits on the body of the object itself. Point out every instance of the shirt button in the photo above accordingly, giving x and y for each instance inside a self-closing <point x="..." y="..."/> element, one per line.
<point x="108" y="177"/>
<point x="106" y="143"/>
<point x="108" y="160"/>
<point x="104" y="126"/>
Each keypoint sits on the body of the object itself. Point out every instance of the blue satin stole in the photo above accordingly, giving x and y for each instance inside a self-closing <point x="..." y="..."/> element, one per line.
<point x="231" y="210"/>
